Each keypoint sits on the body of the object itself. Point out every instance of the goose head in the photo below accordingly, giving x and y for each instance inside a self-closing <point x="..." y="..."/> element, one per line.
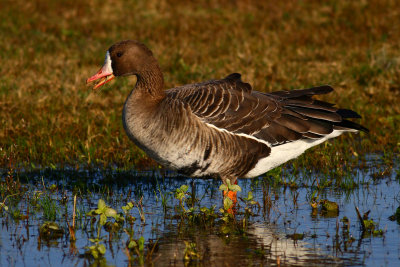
<point x="122" y="59"/>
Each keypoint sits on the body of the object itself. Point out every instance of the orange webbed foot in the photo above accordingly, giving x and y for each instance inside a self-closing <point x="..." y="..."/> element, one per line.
<point x="232" y="195"/>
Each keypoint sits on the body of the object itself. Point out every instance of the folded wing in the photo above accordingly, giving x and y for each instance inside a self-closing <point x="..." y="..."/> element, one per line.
<point x="276" y="118"/>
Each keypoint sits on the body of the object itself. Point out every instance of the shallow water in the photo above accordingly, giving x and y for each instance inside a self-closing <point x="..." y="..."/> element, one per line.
<point x="268" y="239"/>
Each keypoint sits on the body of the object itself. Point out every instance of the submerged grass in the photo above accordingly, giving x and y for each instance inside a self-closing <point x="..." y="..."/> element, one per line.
<point x="50" y="118"/>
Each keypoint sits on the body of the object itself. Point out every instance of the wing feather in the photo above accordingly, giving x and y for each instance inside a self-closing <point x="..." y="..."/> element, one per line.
<point x="276" y="118"/>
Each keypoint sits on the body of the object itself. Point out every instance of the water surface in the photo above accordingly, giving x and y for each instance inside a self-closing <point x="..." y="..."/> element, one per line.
<point x="269" y="237"/>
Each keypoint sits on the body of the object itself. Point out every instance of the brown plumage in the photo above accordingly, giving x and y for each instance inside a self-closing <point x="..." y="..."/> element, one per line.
<point x="219" y="127"/>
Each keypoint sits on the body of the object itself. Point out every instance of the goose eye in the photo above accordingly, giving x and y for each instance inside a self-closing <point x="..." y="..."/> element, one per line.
<point x="119" y="54"/>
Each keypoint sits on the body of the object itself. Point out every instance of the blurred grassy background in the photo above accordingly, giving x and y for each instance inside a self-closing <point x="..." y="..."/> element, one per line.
<point x="48" y="48"/>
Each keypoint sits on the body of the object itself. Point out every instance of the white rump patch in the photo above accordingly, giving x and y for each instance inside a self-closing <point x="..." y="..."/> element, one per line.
<point x="282" y="153"/>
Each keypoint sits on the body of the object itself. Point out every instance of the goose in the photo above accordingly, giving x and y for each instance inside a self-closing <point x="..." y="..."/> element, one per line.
<point x="218" y="128"/>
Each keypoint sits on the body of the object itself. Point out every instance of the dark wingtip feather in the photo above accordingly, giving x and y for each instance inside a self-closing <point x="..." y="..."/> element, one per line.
<point x="320" y="90"/>
<point x="351" y="125"/>
<point x="348" y="113"/>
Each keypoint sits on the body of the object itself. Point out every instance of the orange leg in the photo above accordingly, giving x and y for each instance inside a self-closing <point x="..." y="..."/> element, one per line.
<point x="233" y="196"/>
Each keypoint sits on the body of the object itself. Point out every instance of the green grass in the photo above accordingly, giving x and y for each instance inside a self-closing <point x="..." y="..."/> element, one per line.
<point x="48" y="49"/>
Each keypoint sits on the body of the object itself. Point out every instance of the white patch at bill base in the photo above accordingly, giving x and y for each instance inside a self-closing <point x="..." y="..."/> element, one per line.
<point x="107" y="64"/>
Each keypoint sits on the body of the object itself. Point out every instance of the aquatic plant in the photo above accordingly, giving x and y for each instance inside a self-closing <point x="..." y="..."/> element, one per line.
<point x="50" y="230"/>
<point x="368" y="226"/>
<point x="181" y="195"/>
<point x="103" y="212"/>
<point x="191" y="253"/>
<point x="49" y="207"/>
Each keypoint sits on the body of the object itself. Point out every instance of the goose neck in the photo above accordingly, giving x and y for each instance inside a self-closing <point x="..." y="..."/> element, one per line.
<point x="151" y="82"/>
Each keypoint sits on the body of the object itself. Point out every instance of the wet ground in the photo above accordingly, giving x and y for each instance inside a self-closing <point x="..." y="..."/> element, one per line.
<point x="278" y="227"/>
